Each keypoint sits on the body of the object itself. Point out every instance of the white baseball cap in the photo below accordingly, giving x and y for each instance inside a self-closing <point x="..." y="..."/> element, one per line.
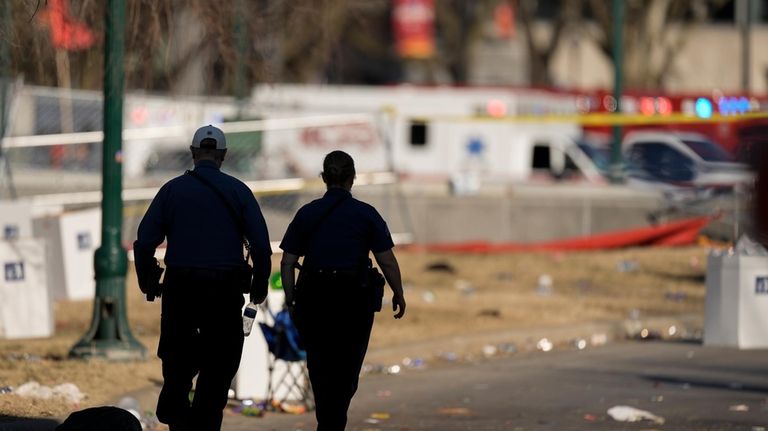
<point x="209" y="132"/>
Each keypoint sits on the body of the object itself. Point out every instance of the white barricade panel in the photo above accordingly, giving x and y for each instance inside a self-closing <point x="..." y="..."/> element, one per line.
<point x="15" y="219"/>
<point x="252" y="377"/>
<point x="736" y="304"/>
<point x="25" y="304"/>
<point x="80" y="237"/>
<point x="72" y="238"/>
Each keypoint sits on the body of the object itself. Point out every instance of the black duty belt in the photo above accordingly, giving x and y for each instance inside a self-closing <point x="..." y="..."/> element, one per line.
<point x="208" y="273"/>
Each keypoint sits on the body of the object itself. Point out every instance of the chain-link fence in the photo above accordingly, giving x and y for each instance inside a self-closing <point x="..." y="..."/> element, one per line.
<point x="54" y="152"/>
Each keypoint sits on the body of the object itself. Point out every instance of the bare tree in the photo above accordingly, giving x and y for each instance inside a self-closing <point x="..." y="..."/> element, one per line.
<point x="654" y="31"/>
<point x="540" y="53"/>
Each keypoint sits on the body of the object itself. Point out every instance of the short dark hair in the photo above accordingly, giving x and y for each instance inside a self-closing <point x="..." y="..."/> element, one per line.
<point x="338" y="168"/>
<point x="201" y="153"/>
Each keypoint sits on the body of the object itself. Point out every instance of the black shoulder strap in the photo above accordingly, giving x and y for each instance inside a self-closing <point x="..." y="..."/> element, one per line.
<point x="232" y="212"/>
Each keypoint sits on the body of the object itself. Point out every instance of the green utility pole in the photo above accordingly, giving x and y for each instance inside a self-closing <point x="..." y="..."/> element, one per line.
<point x="110" y="336"/>
<point x="618" y="87"/>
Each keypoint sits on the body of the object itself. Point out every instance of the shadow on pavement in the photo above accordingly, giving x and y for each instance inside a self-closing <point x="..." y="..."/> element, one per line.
<point x="710" y="384"/>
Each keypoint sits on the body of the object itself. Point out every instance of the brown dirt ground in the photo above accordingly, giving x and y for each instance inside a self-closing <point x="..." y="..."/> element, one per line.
<point x="587" y="287"/>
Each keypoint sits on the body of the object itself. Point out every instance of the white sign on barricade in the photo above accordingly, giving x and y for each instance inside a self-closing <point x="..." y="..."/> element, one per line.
<point x="251" y="381"/>
<point x="15" y="220"/>
<point x="25" y="304"/>
<point x="736" y="304"/>
<point x="72" y="237"/>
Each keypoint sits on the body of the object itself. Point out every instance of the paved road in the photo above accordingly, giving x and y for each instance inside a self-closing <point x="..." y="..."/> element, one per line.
<point x="692" y="387"/>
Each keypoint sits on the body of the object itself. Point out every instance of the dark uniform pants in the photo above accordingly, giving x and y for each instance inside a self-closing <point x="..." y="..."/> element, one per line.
<point x="201" y="333"/>
<point x="334" y="320"/>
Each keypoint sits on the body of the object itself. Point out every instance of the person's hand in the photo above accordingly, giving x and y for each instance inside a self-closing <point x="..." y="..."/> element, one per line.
<point x="398" y="305"/>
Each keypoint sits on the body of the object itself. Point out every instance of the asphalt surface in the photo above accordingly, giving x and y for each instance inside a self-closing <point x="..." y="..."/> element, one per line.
<point x="690" y="386"/>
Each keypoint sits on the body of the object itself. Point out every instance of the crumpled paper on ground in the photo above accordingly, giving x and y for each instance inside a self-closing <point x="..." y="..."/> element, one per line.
<point x="631" y="414"/>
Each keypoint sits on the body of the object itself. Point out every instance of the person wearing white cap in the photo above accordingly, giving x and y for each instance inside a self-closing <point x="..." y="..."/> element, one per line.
<point x="205" y="216"/>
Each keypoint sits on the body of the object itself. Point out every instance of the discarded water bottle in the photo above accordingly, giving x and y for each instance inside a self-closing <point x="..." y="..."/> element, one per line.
<point x="249" y="315"/>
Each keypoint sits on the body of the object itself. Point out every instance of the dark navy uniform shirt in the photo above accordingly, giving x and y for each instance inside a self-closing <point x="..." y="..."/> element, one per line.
<point x="343" y="239"/>
<point x="201" y="232"/>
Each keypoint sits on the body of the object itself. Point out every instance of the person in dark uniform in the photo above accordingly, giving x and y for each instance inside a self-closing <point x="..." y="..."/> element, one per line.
<point x="201" y="328"/>
<point x="332" y="303"/>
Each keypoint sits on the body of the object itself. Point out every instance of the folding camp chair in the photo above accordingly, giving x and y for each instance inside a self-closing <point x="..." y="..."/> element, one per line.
<point x="291" y="381"/>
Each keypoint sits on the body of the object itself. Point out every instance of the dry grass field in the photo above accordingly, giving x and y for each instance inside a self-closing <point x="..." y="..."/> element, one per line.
<point x="461" y="295"/>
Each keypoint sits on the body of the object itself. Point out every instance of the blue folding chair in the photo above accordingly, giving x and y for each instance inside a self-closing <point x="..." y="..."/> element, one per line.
<point x="284" y="345"/>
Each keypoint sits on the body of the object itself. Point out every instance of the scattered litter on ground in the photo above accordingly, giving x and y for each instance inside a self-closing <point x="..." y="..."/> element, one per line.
<point x="489" y="350"/>
<point x="465" y="287"/>
<point x="672" y="330"/>
<point x="646" y="334"/>
<point x="544" y="285"/>
<point x="394" y="369"/>
<point x="580" y="344"/>
<point x="631" y="414"/>
<point x="489" y="312"/>
<point x="544" y="345"/>
<point x="454" y="411"/>
<point x="590" y="418"/>
<point x="413" y="363"/>
<point x="508" y="348"/>
<point x="380" y="416"/>
<point x="627" y="266"/>
<point x="372" y="369"/>
<point x="22" y="357"/>
<point x="429" y="297"/>
<point x="6" y="389"/>
<point x="68" y="392"/>
<point x="598" y="339"/>
<point x="441" y="267"/>
<point x="739" y="408"/>
<point x="448" y="356"/>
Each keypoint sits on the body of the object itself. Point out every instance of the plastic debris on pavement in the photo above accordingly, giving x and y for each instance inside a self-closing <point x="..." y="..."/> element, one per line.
<point x="413" y="363"/>
<point x="631" y="414"/>
<point x="508" y="348"/>
<point x="598" y="339"/>
<point x="627" y="266"/>
<point x="68" y="392"/>
<point x="648" y="334"/>
<point x="380" y="416"/>
<point x="490" y="350"/>
<point x="590" y="418"/>
<point x="6" y="389"/>
<point x="672" y="331"/>
<point x="465" y="287"/>
<point x="544" y="345"/>
<point x="739" y="408"/>
<point x="394" y="369"/>
<point x="544" y="285"/>
<point x="580" y="344"/>
<point x="429" y="297"/>
<point x="448" y="356"/>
